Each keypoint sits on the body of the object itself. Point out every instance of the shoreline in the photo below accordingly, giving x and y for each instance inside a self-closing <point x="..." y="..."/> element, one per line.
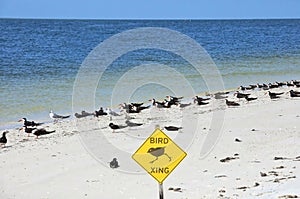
<point x="257" y="155"/>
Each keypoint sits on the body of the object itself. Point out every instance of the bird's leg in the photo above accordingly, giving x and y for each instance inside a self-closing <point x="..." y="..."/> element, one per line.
<point x="153" y="160"/>
<point x="168" y="156"/>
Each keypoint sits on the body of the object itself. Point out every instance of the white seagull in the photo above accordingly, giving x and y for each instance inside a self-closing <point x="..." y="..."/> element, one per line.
<point x="56" y="117"/>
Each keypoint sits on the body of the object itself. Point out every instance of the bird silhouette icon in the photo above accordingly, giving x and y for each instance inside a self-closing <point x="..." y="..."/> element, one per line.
<point x="157" y="152"/>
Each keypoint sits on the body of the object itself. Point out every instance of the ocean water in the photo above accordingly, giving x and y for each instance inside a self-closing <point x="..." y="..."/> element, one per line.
<point x="39" y="59"/>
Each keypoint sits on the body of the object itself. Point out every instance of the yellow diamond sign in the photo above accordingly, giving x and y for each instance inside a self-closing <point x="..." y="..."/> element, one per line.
<point x="159" y="155"/>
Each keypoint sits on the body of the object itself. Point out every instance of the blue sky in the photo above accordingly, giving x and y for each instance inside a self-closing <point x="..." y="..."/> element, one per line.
<point x="150" y="9"/>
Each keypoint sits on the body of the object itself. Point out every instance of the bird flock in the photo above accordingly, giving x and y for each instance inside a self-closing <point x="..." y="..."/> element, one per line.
<point x="31" y="127"/>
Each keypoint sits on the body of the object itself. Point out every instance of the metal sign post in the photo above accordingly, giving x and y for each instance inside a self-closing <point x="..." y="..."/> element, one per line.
<point x="161" y="191"/>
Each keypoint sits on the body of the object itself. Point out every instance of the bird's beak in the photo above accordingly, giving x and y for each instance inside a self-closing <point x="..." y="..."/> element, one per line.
<point x="20" y="120"/>
<point x="20" y="129"/>
<point x="266" y="93"/>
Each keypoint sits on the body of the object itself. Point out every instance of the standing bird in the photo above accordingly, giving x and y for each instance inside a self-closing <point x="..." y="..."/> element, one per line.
<point x="3" y="139"/>
<point x="27" y="130"/>
<point x="56" y="117"/>
<point x="29" y="123"/>
<point x="157" y="152"/>
<point x="39" y="132"/>
<point x="114" y="164"/>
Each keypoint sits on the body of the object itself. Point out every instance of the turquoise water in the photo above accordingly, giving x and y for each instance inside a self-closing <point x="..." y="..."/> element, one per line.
<point x="39" y="59"/>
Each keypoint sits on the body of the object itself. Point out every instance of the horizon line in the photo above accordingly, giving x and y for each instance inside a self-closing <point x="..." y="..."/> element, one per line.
<point x="186" y="19"/>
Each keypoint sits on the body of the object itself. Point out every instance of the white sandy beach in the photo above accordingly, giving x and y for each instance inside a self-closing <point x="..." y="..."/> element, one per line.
<point x="59" y="166"/>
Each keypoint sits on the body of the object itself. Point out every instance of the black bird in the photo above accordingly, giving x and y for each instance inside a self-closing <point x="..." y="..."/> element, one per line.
<point x="27" y="130"/>
<point x="83" y="114"/>
<point x="172" y="128"/>
<point x="243" y="88"/>
<point x="100" y="112"/>
<point x="231" y="103"/>
<point x="132" y="108"/>
<point x="159" y="104"/>
<point x="273" y="85"/>
<point x="294" y="93"/>
<point x="250" y="98"/>
<point x="241" y="95"/>
<point x="157" y="152"/>
<point x="200" y="100"/>
<point x="274" y="95"/>
<point x="137" y="104"/>
<point x="290" y="84"/>
<point x="259" y="85"/>
<point x="252" y="86"/>
<point x="132" y="124"/>
<point x="176" y="99"/>
<point x="115" y="126"/>
<point x="29" y="123"/>
<point x="3" y="139"/>
<point x="114" y="164"/>
<point x="39" y="132"/>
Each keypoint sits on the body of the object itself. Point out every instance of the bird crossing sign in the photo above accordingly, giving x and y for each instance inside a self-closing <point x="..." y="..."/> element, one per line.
<point x="159" y="155"/>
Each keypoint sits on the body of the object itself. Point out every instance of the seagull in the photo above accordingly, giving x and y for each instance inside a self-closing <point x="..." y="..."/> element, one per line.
<point x="111" y="112"/>
<point x="132" y="124"/>
<point x="54" y="116"/>
<point x="3" y="139"/>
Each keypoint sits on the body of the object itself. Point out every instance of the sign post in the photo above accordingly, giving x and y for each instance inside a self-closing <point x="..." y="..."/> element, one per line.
<point x="161" y="191"/>
<point x="159" y="156"/>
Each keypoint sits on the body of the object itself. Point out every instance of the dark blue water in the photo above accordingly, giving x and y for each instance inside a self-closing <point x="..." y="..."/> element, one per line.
<point x="39" y="59"/>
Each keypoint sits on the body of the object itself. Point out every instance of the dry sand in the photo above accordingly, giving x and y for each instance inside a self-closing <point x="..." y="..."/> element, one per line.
<point x="256" y="156"/>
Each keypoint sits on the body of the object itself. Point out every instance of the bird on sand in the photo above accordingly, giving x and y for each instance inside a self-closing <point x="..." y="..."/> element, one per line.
<point x="29" y="123"/>
<point x="3" y="139"/>
<point x="274" y="95"/>
<point x="56" y="117"/>
<point x="294" y="93"/>
<point x="115" y="126"/>
<point x="114" y="163"/>
<point x="132" y="124"/>
<point x="231" y="103"/>
<point x="157" y="152"/>
<point x="172" y="128"/>
<point x="40" y="132"/>
<point x="27" y="130"/>
<point x="250" y="98"/>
